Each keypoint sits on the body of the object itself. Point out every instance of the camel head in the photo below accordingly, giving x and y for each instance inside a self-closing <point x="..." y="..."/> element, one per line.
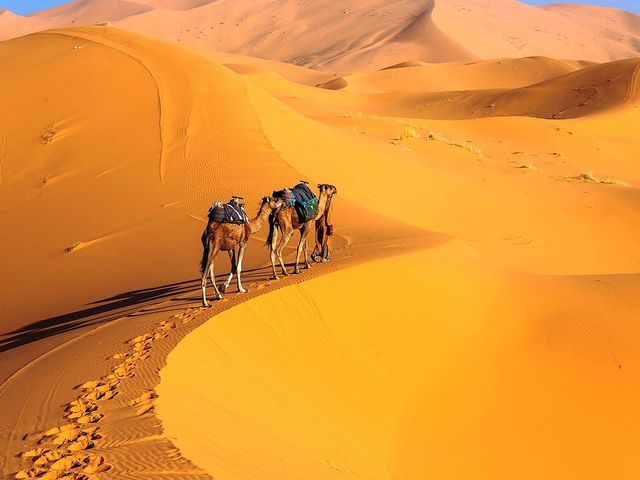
<point x="328" y="190"/>
<point x="271" y="203"/>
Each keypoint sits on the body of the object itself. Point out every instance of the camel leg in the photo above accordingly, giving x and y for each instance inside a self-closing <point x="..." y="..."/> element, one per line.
<point x="232" y="260"/>
<point x="204" y="288"/>
<point x="208" y="272"/>
<point x="307" y="264"/>
<point x="304" y="231"/>
<point x="283" y="243"/>
<point x="272" y="251"/>
<point x="241" y="248"/>
<point x="212" y="276"/>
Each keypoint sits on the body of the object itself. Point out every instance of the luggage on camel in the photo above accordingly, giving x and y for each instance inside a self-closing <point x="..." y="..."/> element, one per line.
<point x="231" y="212"/>
<point x="307" y="210"/>
<point x="301" y="198"/>
<point x="286" y="195"/>
<point x="303" y="193"/>
<point x="306" y="201"/>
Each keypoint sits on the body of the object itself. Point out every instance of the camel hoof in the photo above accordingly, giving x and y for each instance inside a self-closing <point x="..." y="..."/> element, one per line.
<point x="206" y="305"/>
<point x="244" y="290"/>
<point x="219" y="297"/>
<point x="275" y="277"/>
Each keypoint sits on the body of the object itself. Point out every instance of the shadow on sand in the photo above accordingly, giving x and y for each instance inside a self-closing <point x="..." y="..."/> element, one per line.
<point x="133" y="303"/>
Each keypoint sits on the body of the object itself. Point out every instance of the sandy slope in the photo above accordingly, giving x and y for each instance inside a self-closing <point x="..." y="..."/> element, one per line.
<point x="354" y="36"/>
<point x="80" y="144"/>
<point x="86" y="201"/>
<point x="91" y="11"/>
<point x="521" y="30"/>
<point x="497" y="322"/>
<point x="443" y="368"/>
<point x="483" y="74"/>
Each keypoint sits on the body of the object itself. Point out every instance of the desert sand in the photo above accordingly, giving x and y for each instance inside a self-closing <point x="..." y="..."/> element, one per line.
<point x="355" y="36"/>
<point x="478" y="318"/>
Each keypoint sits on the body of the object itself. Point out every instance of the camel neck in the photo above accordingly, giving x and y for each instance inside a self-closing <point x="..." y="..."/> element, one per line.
<point x="322" y="204"/>
<point x="328" y="210"/>
<point x="257" y="222"/>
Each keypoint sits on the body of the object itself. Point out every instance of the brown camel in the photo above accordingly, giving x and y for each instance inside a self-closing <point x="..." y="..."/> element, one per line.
<point x="286" y="219"/>
<point x="324" y="233"/>
<point x="229" y="237"/>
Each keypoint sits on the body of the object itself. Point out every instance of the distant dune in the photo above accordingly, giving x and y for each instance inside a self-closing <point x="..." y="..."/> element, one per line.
<point x="356" y="36"/>
<point x="578" y="93"/>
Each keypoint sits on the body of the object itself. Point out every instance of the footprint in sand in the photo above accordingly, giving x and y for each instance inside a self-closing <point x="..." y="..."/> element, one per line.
<point x="62" y="451"/>
<point x="189" y="314"/>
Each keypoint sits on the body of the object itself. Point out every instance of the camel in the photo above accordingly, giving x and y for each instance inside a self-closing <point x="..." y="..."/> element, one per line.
<point x="229" y="237"/>
<point x="324" y="232"/>
<point x="286" y="220"/>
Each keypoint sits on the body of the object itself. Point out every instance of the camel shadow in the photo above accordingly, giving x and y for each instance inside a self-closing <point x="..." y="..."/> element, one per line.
<point x="134" y="303"/>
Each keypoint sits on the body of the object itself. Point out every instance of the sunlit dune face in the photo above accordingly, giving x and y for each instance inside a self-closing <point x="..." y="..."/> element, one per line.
<point x="429" y="365"/>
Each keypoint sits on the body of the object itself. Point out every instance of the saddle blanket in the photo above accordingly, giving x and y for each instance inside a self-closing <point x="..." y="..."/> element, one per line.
<point x="227" y="213"/>
<point x="302" y="199"/>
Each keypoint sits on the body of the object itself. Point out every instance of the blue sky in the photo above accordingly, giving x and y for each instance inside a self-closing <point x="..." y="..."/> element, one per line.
<point x="24" y="7"/>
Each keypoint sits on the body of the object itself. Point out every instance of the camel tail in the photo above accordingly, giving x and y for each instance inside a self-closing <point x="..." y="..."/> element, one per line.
<point x="204" y="263"/>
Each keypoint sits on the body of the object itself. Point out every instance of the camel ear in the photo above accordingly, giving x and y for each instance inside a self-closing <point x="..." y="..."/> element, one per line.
<point x="319" y="186"/>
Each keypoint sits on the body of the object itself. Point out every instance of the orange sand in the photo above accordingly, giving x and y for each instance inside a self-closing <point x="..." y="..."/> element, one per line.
<point x="354" y="36"/>
<point x="478" y="318"/>
<point x="427" y="365"/>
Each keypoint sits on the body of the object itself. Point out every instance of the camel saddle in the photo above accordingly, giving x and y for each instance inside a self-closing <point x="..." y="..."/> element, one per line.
<point x="286" y="195"/>
<point x="302" y="199"/>
<point x="231" y="212"/>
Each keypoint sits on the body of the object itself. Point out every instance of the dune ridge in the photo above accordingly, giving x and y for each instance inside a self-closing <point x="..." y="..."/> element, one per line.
<point x="482" y="74"/>
<point x="356" y="37"/>
<point x="578" y="93"/>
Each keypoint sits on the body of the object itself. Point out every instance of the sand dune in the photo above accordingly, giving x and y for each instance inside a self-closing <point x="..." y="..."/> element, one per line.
<point x="460" y="383"/>
<point x="479" y="311"/>
<point x="79" y="143"/>
<point x="484" y="74"/>
<point x="584" y="92"/>
<point x="598" y="34"/>
<point x="355" y="37"/>
<point x="85" y="12"/>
